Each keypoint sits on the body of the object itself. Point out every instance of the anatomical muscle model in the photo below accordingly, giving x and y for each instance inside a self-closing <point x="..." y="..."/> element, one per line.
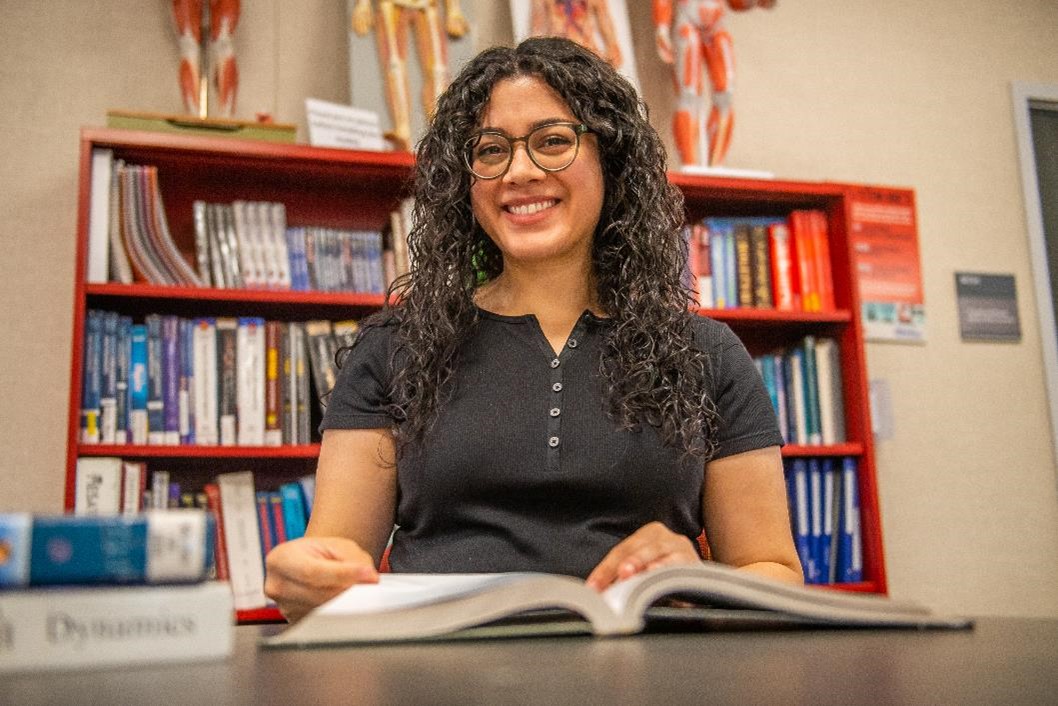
<point x="691" y="36"/>
<point x="218" y="23"/>
<point x="393" y="20"/>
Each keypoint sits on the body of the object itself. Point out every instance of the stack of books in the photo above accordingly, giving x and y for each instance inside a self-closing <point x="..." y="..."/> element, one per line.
<point x="94" y="591"/>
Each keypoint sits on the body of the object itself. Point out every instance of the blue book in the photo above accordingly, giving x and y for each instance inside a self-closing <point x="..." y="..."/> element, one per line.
<point x="124" y="340"/>
<point x="731" y="268"/>
<point x="811" y="388"/>
<point x="155" y="380"/>
<point x="780" y="391"/>
<point x="826" y="539"/>
<point x="171" y="378"/>
<point x="154" y="547"/>
<point x="294" y="516"/>
<point x="92" y="380"/>
<point x="108" y="388"/>
<point x="850" y="551"/>
<point x="814" y="570"/>
<point x="802" y="528"/>
<point x="187" y="375"/>
<point x="138" y="388"/>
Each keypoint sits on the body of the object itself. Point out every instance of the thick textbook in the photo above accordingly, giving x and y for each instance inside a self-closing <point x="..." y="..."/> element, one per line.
<point x="166" y="546"/>
<point x="404" y="607"/>
<point x="66" y="628"/>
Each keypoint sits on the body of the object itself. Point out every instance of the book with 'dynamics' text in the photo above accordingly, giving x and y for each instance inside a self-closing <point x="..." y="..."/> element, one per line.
<point x="408" y="607"/>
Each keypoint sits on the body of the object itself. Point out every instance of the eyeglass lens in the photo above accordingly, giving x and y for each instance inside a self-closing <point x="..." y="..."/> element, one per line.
<point x="551" y="147"/>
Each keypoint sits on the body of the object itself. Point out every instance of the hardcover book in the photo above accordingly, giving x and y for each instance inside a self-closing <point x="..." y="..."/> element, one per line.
<point x="404" y="607"/>
<point x="154" y="547"/>
<point x="66" y="628"/>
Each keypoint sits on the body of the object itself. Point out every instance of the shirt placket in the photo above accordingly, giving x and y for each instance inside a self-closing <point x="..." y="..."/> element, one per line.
<point x="558" y="396"/>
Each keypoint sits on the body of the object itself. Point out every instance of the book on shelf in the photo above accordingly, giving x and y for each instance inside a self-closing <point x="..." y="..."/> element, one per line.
<point x="151" y="547"/>
<point x="804" y="383"/>
<point x="825" y="518"/>
<point x="57" y="628"/>
<point x="767" y="262"/>
<point x="242" y="537"/>
<point x="406" y="607"/>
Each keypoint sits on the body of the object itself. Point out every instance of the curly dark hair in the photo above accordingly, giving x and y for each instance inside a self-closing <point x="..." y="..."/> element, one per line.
<point x="655" y="374"/>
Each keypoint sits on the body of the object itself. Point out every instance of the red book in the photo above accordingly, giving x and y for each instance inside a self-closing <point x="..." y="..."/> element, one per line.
<point x="220" y="550"/>
<point x="275" y="500"/>
<point x="783" y="273"/>
<point x="821" y="240"/>
<point x="804" y="259"/>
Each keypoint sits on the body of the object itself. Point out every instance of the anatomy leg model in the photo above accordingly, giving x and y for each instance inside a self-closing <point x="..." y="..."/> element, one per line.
<point x="393" y="20"/>
<point x="579" y="20"/>
<point x="693" y="39"/>
<point x="222" y="17"/>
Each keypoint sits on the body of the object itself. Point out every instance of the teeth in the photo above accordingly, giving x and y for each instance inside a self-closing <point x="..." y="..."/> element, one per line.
<point x="531" y="208"/>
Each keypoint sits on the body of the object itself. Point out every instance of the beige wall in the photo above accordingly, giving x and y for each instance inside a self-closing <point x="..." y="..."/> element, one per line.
<point x="898" y="92"/>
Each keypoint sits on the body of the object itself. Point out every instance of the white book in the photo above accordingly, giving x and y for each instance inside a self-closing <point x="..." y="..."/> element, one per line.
<point x="248" y="253"/>
<point x="403" y="607"/>
<point x="250" y="369"/>
<point x="825" y="384"/>
<point x="133" y="482"/>
<point x="204" y="347"/>
<point x="278" y="222"/>
<point x="261" y="222"/>
<point x="71" y="628"/>
<point x="98" y="488"/>
<point x="795" y="371"/>
<point x="242" y="539"/>
<point x="99" y="216"/>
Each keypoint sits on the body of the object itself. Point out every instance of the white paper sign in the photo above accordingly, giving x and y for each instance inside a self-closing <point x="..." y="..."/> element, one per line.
<point x="336" y="125"/>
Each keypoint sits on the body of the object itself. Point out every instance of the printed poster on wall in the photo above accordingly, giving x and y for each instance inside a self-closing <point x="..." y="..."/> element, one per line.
<point x="884" y="237"/>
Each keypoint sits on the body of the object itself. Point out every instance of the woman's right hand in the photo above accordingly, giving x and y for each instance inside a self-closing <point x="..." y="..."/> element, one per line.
<point x="305" y="572"/>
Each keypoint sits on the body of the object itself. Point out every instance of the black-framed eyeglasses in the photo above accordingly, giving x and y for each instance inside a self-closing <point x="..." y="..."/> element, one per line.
<point x="551" y="147"/>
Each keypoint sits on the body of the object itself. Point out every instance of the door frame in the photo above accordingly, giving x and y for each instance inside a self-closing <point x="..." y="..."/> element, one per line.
<point x="1024" y="94"/>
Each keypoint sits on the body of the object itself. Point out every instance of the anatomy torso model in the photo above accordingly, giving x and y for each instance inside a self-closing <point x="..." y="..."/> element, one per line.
<point x="223" y="16"/>
<point x="694" y="40"/>
<point x="393" y="20"/>
<point x="578" y="20"/>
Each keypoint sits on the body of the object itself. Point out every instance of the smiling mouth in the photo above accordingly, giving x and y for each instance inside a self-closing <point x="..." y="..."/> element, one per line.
<point x="529" y="209"/>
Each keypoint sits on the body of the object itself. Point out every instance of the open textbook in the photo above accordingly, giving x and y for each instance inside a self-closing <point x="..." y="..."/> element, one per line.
<point x="402" y="607"/>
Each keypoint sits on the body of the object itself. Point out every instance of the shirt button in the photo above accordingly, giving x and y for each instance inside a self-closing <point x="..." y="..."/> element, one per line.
<point x="555" y="411"/>
<point x="572" y="343"/>
<point x="555" y="363"/>
<point x="552" y="442"/>
<point x="557" y="387"/>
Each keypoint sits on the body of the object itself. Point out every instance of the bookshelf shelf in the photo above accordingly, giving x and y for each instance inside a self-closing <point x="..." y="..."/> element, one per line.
<point x="358" y="191"/>
<point x="305" y="451"/>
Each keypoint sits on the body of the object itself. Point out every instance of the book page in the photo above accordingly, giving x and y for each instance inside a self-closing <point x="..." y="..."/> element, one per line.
<point x="399" y="591"/>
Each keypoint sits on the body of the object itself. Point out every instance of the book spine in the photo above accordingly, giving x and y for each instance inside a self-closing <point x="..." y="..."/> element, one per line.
<point x="294" y="515"/>
<point x="826" y="543"/>
<point x="761" y="263"/>
<point x="133" y="482"/>
<point x="302" y="395"/>
<point x="250" y="394"/>
<point x="704" y="283"/>
<point x="202" y="249"/>
<point x="243" y="540"/>
<point x="108" y="398"/>
<point x="795" y="395"/>
<point x="822" y="258"/>
<point x="204" y="363"/>
<point x="99" y="215"/>
<point x="801" y="519"/>
<point x="277" y="220"/>
<point x="98" y="627"/>
<point x="273" y="430"/>
<point x="171" y="379"/>
<point x="227" y="381"/>
<point x="780" y="390"/>
<point x="814" y="571"/>
<point x="155" y="381"/>
<point x="278" y="517"/>
<point x="265" y="527"/>
<point x="97" y="486"/>
<point x="782" y="270"/>
<point x="91" y="385"/>
<point x="743" y="265"/>
<point x="220" y="548"/>
<point x="851" y="550"/>
<point x="187" y="382"/>
<point x="811" y="387"/>
<point x="139" y="388"/>
<point x="287" y="387"/>
<point x="121" y="382"/>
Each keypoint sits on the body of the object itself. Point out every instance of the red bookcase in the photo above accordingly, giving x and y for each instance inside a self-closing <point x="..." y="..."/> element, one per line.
<point x="358" y="190"/>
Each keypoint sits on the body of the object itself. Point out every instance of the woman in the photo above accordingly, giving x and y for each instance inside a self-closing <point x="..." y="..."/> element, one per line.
<point x="541" y="399"/>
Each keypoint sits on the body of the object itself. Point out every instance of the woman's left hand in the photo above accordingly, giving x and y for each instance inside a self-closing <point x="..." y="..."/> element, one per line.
<point x="649" y="547"/>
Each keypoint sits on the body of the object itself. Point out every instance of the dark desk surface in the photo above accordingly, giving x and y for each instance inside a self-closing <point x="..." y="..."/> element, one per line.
<point x="1001" y="661"/>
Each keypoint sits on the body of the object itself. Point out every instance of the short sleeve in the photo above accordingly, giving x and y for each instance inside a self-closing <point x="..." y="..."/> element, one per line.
<point x="747" y="419"/>
<point x="361" y="392"/>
